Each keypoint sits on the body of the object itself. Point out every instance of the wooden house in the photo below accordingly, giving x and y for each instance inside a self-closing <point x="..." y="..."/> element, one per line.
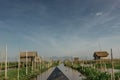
<point x="31" y="57"/>
<point x="100" y="55"/>
<point x="76" y="60"/>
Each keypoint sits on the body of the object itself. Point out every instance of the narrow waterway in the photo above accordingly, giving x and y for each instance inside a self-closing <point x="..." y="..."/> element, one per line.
<point x="71" y="73"/>
<point x="68" y="72"/>
<point x="45" y="75"/>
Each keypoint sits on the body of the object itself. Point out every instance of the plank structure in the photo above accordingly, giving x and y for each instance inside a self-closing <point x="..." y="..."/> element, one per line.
<point x="57" y="74"/>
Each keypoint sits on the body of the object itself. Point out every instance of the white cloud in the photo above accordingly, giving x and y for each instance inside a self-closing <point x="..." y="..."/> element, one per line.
<point x="99" y="14"/>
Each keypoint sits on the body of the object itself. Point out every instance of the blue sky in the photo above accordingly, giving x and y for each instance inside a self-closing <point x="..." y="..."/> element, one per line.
<point x="60" y="27"/>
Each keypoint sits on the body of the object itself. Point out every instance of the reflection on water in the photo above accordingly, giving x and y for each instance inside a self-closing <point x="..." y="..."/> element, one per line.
<point x="44" y="75"/>
<point x="70" y="73"/>
<point x="57" y="74"/>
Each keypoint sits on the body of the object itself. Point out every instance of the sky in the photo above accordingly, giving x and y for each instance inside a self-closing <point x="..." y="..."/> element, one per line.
<point x="60" y="27"/>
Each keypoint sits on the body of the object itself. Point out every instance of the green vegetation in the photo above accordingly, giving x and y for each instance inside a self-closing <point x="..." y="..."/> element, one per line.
<point x="13" y="73"/>
<point x="93" y="73"/>
<point x="107" y="65"/>
<point x="10" y="65"/>
<point x="117" y="76"/>
<point x="89" y="72"/>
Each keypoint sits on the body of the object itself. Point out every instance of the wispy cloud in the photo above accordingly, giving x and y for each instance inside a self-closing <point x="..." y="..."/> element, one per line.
<point x="99" y="14"/>
<point x="61" y="28"/>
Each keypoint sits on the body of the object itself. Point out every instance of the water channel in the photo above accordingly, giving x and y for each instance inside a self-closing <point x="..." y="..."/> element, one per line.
<point x="68" y="72"/>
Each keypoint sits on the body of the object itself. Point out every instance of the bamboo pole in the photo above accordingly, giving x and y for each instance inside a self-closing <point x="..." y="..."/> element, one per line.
<point x="32" y="62"/>
<point x="0" y="63"/>
<point x="119" y="53"/>
<point x="6" y="63"/>
<point x="18" y="65"/>
<point x="112" y="74"/>
<point x="26" y="63"/>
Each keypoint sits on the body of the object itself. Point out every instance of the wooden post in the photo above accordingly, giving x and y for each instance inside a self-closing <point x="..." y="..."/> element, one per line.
<point x="32" y="61"/>
<point x="26" y="63"/>
<point x="0" y="63"/>
<point x="34" y="66"/>
<point x="18" y="65"/>
<point x="100" y="65"/>
<point x="112" y="74"/>
<point x="6" y="63"/>
<point x="119" y="58"/>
